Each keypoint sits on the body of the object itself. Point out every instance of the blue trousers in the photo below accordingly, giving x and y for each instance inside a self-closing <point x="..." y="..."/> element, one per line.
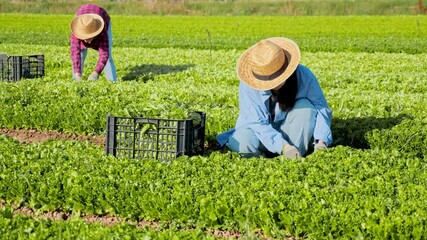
<point x="297" y="129"/>
<point x="110" y="68"/>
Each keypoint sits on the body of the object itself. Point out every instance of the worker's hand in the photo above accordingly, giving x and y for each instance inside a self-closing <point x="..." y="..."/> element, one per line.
<point x="320" y="145"/>
<point x="93" y="76"/>
<point x="77" y="76"/>
<point x="290" y="151"/>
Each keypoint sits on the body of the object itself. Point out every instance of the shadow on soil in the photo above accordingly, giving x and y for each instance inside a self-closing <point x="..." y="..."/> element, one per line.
<point x="147" y="72"/>
<point x="351" y="132"/>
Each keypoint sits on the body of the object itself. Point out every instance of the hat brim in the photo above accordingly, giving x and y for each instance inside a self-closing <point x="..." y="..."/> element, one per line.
<point x="245" y="73"/>
<point x="84" y="35"/>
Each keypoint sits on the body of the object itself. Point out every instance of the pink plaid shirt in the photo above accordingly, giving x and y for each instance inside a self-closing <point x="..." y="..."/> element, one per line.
<point x="99" y="43"/>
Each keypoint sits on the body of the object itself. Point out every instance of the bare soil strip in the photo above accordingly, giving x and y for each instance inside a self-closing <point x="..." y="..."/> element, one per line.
<point x="30" y="136"/>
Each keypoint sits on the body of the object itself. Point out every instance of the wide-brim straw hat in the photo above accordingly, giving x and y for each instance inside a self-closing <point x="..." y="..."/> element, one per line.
<point x="268" y="63"/>
<point x="86" y="26"/>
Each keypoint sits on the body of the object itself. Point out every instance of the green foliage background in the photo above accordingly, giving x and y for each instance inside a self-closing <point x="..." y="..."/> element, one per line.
<point x="224" y="7"/>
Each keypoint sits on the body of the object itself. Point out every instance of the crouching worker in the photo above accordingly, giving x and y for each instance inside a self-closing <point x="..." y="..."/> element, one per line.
<point x="282" y="107"/>
<point x="91" y="28"/>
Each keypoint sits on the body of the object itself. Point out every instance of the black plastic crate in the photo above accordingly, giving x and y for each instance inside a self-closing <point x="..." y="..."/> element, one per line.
<point x="154" y="138"/>
<point x="13" y="68"/>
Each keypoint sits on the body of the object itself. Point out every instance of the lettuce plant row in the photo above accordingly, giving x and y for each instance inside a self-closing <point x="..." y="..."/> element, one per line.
<point x="24" y="227"/>
<point x="371" y="94"/>
<point x="375" y="193"/>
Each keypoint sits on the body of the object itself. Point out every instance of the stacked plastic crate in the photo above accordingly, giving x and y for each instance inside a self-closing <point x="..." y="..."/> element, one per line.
<point x="13" y="68"/>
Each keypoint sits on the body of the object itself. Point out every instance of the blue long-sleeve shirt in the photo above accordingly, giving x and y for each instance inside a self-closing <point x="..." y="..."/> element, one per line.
<point x="255" y="114"/>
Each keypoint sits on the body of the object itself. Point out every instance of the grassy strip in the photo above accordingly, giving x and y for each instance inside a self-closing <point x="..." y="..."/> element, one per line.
<point x="315" y="33"/>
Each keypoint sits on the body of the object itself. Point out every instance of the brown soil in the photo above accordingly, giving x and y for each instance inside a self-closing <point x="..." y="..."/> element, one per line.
<point x="30" y="136"/>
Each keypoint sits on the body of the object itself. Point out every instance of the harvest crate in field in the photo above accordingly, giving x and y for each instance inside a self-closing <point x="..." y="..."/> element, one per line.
<point x="154" y="138"/>
<point x="13" y="68"/>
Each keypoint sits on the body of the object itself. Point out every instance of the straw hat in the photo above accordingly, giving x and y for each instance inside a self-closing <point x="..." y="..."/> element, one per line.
<point x="268" y="64"/>
<point x="87" y="26"/>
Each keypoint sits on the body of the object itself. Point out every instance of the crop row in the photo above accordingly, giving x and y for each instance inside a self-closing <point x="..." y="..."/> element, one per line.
<point x="373" y="94"/>
<point x="375" y="193"/>
<point x="314" y="33"/>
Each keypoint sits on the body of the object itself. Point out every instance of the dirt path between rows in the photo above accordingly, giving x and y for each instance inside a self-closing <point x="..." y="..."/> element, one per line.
<point x="30" y="136"/>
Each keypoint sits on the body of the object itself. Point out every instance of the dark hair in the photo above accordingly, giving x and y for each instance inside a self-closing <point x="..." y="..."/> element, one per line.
<point x="288" y="92"/>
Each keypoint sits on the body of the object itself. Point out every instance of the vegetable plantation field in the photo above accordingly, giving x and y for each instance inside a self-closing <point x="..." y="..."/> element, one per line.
<point x="371" y="183"/>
